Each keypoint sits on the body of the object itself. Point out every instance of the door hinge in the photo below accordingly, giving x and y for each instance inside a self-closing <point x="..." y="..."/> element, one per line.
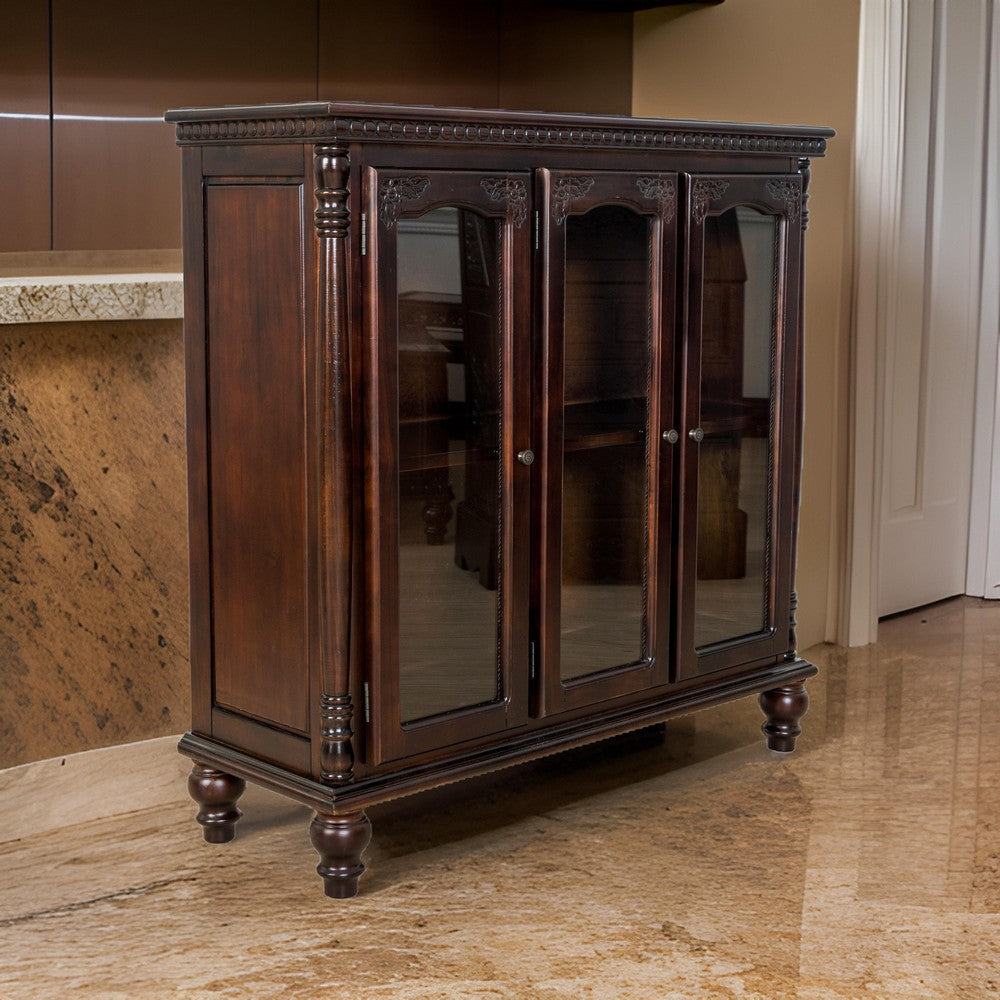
<point x="364" y="234"/>
<point x="532" y="660"/>
<point x="366" y="695"/>
<point x="537" y="229"/>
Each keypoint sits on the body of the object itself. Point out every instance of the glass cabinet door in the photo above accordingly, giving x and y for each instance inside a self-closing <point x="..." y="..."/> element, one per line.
<point x="447" y="400"/>
<point x="608" y="243"/>
<point x="739" y="406"/>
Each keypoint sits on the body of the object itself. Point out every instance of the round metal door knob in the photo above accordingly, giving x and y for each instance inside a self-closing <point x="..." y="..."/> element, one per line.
<point x="671" y="436"/>
<point x="526" y="457"/>
<point x="697" y="434"/>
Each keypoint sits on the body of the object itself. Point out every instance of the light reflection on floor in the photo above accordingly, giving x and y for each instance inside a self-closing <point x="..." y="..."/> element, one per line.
<point x="866" y="864"/>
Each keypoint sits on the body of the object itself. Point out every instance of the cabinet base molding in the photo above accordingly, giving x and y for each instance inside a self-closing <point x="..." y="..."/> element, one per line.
<point x="341" y="831"/>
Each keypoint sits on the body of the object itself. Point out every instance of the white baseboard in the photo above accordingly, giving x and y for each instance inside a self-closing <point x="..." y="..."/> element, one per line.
<point x="49" y="794"/>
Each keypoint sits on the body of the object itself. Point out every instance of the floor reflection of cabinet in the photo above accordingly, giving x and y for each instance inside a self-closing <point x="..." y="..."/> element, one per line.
<point x="493" y="442"/>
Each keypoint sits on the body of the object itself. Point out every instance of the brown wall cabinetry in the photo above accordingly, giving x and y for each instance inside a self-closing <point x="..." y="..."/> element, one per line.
<point x="470" y="396"/>
<point x="86" y="164"/>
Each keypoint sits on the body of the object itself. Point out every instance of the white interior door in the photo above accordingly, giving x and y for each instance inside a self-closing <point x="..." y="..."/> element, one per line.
<point x="931" y="333"/>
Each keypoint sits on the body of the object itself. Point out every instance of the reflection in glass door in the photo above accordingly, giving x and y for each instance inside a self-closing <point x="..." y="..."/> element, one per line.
<point x="735" y="454"/>
<point x="607" y="359"/>
<point x="446" y="414"/>
<point x="450" y="369"/>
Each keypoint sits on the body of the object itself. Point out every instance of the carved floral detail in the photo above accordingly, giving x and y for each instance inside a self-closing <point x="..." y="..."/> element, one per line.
<point x="511" y="190"/>
<point x="662" y="190"/>
<point x="565" y="190"/>
<point x="394" y="190"/>
<point x="706" y="190"/>
<point x="787" y="191"/>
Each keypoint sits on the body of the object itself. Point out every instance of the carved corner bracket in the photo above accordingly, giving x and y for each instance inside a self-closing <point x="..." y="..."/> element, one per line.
<point x="790" y="194"/>
<point x="511" y="190"/>
<point x="662" y="190"/>
<point x="564" y="191"/>
<point x="393" y="191"/>
<point x="705" y="191"/>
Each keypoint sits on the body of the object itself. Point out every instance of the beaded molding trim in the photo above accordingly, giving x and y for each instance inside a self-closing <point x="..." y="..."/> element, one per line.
<point x="451" y="132"/>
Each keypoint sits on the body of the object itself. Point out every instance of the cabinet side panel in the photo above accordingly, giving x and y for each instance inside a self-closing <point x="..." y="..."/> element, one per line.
<point x="257" y="432"/>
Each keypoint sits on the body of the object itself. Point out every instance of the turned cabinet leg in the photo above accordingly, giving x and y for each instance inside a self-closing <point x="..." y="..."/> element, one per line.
<point x="783" y="706"/>
<point x="340" y="842"/>
<point x="216" y="793"/>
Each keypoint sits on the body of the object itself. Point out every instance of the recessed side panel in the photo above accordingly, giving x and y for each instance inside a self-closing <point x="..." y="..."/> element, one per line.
<point x="257" y="451"/>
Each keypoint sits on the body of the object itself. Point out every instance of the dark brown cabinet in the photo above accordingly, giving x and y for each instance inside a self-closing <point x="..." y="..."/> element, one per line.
<point x="494" y="438"/>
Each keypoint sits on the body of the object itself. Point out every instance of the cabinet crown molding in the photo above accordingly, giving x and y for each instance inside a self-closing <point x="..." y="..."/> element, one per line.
<point x="344" y="122"/>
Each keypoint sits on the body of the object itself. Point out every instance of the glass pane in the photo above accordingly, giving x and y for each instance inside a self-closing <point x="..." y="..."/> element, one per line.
<point x="734" y="499"/>
<point x="607" y="359"/>
<point x="449" y="352"/>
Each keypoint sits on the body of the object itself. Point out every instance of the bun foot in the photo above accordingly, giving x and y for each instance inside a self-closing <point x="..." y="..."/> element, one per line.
<point x="783" y="706"/>
<point x="340" y="842"/>
<point x="216" y="793"/>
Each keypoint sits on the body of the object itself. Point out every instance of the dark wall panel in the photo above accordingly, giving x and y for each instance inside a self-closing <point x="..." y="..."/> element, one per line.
<point x="24" y="127"/>
<point x="557" y="59"/>
<point x="118" y="65"/>
<point x="409" y="52"/>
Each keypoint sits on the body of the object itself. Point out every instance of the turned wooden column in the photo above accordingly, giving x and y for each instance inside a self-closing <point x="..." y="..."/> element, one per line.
<point x="339" y="840"/>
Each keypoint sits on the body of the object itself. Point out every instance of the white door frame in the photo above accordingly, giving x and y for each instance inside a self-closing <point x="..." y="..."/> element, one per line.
<point x="984" y="522"/>
<point x="888" y="30"/>
<point x="877" y="183"/>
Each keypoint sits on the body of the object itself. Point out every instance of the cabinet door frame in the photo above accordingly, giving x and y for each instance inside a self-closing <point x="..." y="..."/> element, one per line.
<point x="392" y="194"/>
<point x="707" y="195"/>
<point x="559" y="195"/>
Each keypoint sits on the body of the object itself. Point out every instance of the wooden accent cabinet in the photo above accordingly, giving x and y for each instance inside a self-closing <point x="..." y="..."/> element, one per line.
<point x="493" y="442"/>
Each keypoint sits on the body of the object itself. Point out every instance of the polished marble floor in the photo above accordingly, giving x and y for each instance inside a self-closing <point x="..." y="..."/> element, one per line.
<point x="867" y="864"/>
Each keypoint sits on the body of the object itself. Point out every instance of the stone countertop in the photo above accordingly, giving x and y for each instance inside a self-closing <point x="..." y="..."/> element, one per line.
<point x="73" y="297"/>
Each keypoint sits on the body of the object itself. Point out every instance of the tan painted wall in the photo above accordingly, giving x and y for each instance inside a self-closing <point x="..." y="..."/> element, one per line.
<point x="788" y="62"/>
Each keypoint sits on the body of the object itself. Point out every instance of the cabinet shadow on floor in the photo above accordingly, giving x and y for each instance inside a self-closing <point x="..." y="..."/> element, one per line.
<point x="722" y="738"/>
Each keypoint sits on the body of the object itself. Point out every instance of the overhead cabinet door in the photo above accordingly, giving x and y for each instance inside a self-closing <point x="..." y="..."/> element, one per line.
<point x="606" y="275"/>
<point x="740" y="393"/>
<point x="447" y="402"/>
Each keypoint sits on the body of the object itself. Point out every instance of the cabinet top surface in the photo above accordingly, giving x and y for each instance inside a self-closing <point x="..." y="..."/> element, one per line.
<point x="354" y="122"/>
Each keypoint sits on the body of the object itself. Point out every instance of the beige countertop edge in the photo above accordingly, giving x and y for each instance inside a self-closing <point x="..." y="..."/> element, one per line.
<point x="68" y="298"/>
